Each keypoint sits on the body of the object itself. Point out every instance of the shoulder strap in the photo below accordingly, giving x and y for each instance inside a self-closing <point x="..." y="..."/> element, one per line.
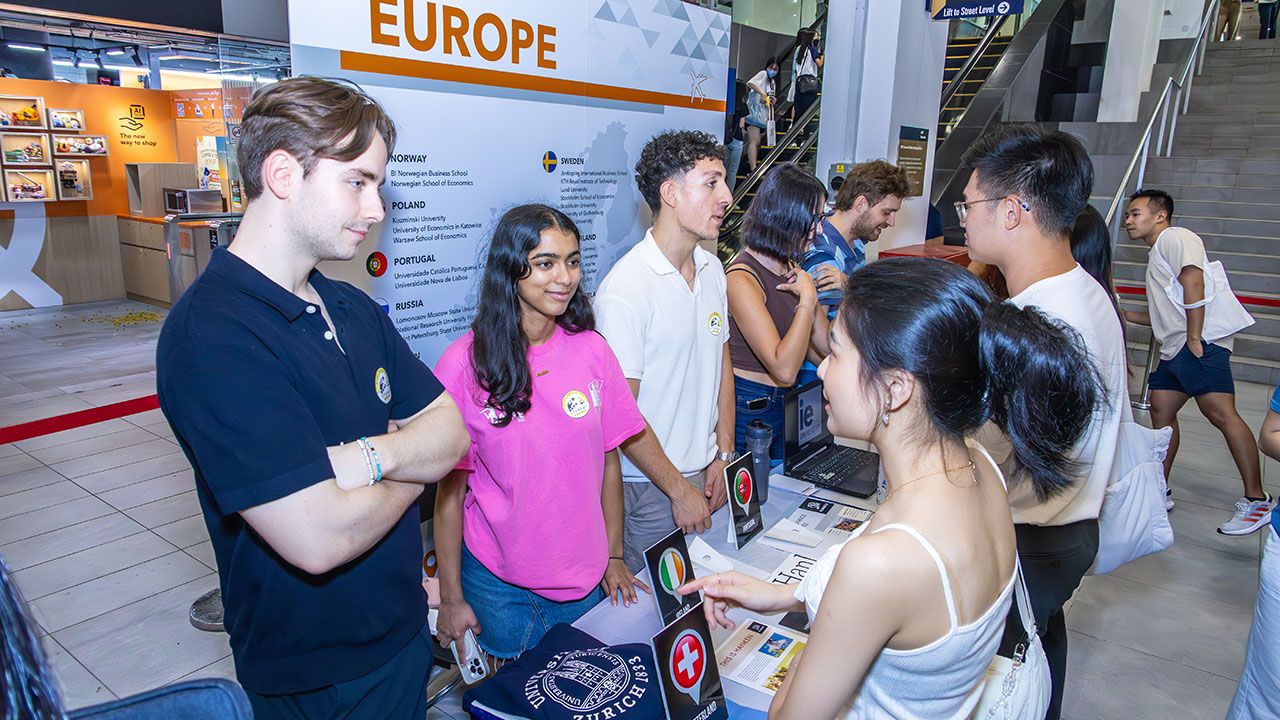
<point x="937" y="560"/>
<point x="743" y="267"/>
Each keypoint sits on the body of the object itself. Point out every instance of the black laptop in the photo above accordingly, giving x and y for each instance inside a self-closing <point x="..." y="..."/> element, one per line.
<point x="811" y="454"/>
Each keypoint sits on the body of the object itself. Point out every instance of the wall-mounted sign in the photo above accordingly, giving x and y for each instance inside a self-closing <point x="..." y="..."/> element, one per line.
<point x="963" y="9"/>
<point x="913" y="153"/>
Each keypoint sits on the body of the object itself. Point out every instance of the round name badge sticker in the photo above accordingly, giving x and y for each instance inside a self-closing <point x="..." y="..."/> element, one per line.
<point x="382" y="385"/>
<point x="715" y="323"/>
<point x="575" y="404"/>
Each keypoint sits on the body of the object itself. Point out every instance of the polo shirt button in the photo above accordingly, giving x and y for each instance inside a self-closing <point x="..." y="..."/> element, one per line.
<point x="311" y="309"/>
<point x="328" y="335"/>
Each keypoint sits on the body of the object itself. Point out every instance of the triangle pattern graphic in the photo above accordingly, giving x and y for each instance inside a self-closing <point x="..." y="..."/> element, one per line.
<point x="697" y="53"/>
<point x="629" y="18"/>
<point x="651" y="36"/>
<point x="606" y="13"/>
<point x="628" y="58"/>
<point x="678" y="12"/>
<point x="679" y="49"/>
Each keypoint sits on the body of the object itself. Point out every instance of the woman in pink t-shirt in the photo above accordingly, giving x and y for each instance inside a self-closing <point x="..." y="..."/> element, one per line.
<point x="528" y="528"/>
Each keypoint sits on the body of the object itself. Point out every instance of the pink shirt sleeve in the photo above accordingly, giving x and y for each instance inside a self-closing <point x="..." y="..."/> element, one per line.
<point x="453" y="371"/>
<point x="620" y="418"/>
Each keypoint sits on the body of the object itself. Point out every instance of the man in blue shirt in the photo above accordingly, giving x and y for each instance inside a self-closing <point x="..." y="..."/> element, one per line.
<point x="283" y="388"/>
<point x="866" y="204"/>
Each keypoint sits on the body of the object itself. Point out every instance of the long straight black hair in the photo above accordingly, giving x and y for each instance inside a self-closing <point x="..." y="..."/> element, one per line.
<point x="27" y="686"/>
<point x="499" y="348"/>
<point x="976" y="359"/>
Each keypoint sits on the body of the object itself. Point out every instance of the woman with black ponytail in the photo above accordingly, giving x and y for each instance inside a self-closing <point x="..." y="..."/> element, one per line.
<point x="529" y="527"/>
<point x="908" y="613"/>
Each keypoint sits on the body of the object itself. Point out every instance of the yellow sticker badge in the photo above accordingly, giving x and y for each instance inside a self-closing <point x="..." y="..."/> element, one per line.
<point x="382" y="385"/>
<point x="575" y="404"/>
<point x="715" y="323"/>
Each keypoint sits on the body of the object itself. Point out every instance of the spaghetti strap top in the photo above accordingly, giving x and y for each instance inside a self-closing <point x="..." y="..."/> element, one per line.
<point x="929" y="682"/>
<point x="780" y="305"/>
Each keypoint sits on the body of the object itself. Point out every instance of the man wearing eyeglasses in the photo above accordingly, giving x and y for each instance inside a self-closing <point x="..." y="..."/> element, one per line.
<point x="1019" y="207"/>
<point x="866" y="204"/>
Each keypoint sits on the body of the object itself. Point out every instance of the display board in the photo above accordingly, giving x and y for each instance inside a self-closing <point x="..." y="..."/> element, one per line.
<point x="501" y="102"/>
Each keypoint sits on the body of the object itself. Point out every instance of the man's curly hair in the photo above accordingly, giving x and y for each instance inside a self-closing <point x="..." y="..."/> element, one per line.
<point x="669" y="154"/>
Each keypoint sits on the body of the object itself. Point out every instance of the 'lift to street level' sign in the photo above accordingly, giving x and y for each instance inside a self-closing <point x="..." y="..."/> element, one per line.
<point x="953" y="9"/>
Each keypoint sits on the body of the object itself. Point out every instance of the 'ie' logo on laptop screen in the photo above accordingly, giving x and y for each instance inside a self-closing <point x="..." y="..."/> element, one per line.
<point x="810" y="415"/>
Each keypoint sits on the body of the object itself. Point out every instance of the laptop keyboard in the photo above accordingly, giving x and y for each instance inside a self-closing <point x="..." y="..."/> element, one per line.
<point x="829" y="471"/>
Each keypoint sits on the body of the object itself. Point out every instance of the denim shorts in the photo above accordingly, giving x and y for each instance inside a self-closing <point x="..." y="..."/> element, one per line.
<point x="1196" y="376"/>
<point x="757" y="401"/>
<point x="513" y="619"/>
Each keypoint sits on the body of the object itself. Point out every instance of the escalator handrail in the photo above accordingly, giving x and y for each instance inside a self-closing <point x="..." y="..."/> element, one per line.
<point x="972" y="62"/>
<point x="768" y="162"/>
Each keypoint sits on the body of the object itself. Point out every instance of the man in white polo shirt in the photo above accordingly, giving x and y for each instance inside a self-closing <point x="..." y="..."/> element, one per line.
<point x="664" y="311"/>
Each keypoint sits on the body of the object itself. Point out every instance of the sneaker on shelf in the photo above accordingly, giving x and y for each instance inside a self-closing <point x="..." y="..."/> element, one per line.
<point x="1249" y="517"/>
<point x="1168" y="500"/>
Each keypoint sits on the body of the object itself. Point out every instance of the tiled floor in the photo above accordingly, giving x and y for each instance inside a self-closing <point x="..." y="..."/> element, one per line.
<point x="102" y="529"/>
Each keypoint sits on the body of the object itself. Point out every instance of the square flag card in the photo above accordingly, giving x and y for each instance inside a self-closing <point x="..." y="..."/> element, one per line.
<point x="744" y="504"/>
<point x="687" y="672"/>
<point x="670" y="567"/>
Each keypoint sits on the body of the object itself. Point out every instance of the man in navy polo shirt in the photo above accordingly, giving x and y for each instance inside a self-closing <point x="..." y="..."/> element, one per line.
<point x="284" y="388"/>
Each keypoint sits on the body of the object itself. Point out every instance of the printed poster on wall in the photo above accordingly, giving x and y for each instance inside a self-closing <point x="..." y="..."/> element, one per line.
<point x="498" y="103"/>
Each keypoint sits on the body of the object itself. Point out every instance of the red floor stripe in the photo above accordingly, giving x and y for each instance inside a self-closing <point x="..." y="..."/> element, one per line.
<point x="80" y="418"/>
<point x="1245" y="299"/>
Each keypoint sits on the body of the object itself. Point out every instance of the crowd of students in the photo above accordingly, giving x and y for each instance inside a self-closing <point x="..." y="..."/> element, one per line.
<point x="569" y="433"/>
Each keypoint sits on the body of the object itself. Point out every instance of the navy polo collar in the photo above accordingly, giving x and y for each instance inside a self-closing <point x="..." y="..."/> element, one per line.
<point x="250" y="280"/>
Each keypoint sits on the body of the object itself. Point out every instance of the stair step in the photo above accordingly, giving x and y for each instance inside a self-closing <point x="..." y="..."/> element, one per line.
<point x="1159" y="178"/>
<point x="1209" y="193"/>
<point x="1269" y="210"/>
<point x="1245" y="166"/>
<point x="1224" y="242"/>
<point x="1242" y="282"/>
<point x="1128" y="252"/>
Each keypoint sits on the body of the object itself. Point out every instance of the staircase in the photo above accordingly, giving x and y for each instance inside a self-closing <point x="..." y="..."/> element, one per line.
<point x="958" y="51"/>
<point x="1224" y="176"/>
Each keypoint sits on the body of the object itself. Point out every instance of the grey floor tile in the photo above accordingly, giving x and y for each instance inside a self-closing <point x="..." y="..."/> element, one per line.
<point x="204" y="553"/>
<point x="102" y="595"/>
<point x="162" y="429"/>
<point x="170" y="509"/>
<point x="105" y="427"/>
<point x="35" y="523"/>
<point x="90" y="446"/>
<point x="108" y="383"/>
<point x="1176" y="626"/>
<point x="17" y="462"/>
<point x="150" y="417"/>
<point x="141" y="493"/>
<point x="184" y="533"/>
<point x="65" y="541"/>
<point x="224" y="668"/>
<point x="118" y="477"/>
<point x="1107" y="681"/>
<point x="115" y="458"/>
<point x="1198" y="571"/>
<point x="8" y="449"/>
<point x="27" y="480"/>
<point x="119" y="392"/>
<point x="154" y="634"/>
<point x="79" y="687"/>
<point x="41" y="497"/>
<point x="71" y="570"/>
<point x="1197" y="524"/>
<point x="41" y="408"/>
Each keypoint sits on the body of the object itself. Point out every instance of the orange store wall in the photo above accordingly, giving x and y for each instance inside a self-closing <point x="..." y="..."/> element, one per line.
<point x="107" y="111"/>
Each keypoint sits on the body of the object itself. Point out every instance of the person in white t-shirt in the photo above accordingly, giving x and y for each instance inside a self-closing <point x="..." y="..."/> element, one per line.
<point x="763" y="87"/>
<point x="1191" y="366"/>
<point x="1019" y="208"/>
<point x="664" y="311"/>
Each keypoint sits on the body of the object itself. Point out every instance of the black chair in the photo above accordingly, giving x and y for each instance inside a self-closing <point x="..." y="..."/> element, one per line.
<point x="211" y="699"/>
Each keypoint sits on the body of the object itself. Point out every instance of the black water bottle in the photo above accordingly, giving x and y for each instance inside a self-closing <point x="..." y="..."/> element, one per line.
<point x="759" y="438"/>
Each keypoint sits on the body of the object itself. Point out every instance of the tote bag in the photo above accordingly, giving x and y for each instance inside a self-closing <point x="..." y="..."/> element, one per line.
<point x="1133" y="522"/>
<point x="1018" y="687"/>
<point x="1223" y="314"/>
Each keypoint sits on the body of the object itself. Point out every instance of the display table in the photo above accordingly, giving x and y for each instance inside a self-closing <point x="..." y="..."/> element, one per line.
<point x="953" y="253"/>
<point x="619" y="624"/>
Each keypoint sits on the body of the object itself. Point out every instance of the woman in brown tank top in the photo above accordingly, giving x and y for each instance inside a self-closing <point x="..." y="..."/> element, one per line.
<point x="773" y="322"/>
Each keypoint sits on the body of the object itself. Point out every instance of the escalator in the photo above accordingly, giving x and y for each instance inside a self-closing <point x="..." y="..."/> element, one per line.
<point x="797" y="143"/>
<point x="969" y="62"/>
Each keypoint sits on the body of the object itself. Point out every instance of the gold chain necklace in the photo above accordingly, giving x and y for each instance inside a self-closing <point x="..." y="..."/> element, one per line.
<point x="947" y="472"/>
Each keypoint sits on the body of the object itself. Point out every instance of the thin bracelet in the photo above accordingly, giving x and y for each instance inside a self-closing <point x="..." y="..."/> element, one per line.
<point x="368" y="462"/>
<point x="615" y="557"/>
<point x="377" y="460"/>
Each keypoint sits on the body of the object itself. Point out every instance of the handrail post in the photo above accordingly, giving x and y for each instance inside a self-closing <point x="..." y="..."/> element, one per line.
<point x="1186" y="101"/>
<point x="1142" y="164"/>
<point x="1164" y="120"/>
<point x="1173" y="122"/>
<point x="1153" y="356"/>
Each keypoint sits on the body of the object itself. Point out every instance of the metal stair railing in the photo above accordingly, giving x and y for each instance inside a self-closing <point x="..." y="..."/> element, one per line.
<point x="1176" y="93"/>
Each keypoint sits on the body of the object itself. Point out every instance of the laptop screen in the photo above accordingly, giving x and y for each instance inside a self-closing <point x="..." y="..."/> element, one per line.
<point x="804" y="424"/>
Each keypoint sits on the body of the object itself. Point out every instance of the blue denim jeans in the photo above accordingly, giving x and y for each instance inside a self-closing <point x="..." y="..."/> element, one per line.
<point x="732" y="159"/>
<point x="513" y="619"/>
<point x="757" y="401"/>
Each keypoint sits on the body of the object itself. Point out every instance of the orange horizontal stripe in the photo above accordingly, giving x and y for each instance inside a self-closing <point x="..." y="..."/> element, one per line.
<point x="383" y="65"/>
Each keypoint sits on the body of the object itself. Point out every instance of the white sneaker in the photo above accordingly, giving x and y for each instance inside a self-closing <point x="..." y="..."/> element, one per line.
<point x="1250" y="516"/>
<point x="1168" y="500"/>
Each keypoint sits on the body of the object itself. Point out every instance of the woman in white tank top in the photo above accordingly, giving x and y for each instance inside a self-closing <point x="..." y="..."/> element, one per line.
<point x="907" y="614"/>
